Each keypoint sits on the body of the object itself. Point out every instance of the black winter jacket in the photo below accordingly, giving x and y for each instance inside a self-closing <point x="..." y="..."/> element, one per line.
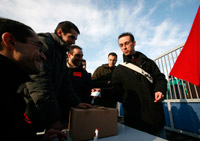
<point x="102" y="75"/>
<point x="51" y="90"/>
<point x="137" y="94"/>
<point x="81" y="82"/>
<point x="100" y="78"/>
<point x="13" y="105"/>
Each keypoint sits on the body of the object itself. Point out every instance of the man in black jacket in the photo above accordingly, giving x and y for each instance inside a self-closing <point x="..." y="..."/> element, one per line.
<point x="51" y="89"/>
<point x="141" y="99"/>
<point x="81" y="80"/>
<point x="101" y="79"/>
<point x="20" y="56"/>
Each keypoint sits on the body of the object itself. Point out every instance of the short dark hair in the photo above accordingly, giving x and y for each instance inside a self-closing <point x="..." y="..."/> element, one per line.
<point x="127" y="34"/>
<point x="19" y="30"/>
<point x="66" y="27"/>
<point x="72" y="47"/>
<point x="113" y="54"/>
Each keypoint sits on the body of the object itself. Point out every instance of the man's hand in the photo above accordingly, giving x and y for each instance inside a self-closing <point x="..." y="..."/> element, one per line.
<point x="96" y="90"/>
<point x="56" y="125"/>
<point x="158" y="97"/>
<point x="84" y="106"/>
<point x="52" y="134"/>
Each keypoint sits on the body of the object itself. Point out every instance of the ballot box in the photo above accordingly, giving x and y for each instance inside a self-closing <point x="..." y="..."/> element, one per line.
<point x="84" y="122"/>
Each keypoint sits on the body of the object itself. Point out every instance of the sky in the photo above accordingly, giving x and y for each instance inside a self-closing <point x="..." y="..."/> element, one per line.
<point x="157" y="25"/>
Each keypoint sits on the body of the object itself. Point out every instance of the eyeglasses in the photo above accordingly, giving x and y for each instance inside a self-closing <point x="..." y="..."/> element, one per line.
<point x="36" y="43"/>
<point x="78" y="55"/>
<point x="125" y="43"/>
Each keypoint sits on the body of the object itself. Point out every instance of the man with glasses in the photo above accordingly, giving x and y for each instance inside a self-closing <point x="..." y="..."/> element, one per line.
<point x="79" y="77"/>
<point x="20" y="56"/>
<point x="140" y="95"/>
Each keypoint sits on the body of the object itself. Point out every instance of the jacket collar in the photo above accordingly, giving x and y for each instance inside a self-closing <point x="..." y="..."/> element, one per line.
<point x="73" y="67"/>
<point x="69" y="66"/>
<point x="60" y="42"/>
<point x="106" y="66"/>
<point x="56" y="38"/>
<point x="60" y="45"/>
<point x="137" y="54"/>
<point x="16" y="72"/>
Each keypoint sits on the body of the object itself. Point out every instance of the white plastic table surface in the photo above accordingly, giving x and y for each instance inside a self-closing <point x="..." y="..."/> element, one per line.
<point x="126" y="133"/>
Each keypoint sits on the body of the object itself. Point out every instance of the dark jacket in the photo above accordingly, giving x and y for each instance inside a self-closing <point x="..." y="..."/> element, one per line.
<point x="13" y="124"/>
<point x="100" y="78"/>
<point x="81" y="82"/>
<point x="52" y="90"/>
<point x="137" y="94"/>
<point x="102" y="75"/>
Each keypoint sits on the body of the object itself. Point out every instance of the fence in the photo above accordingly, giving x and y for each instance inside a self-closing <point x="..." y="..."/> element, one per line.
<point x="182" y="101"/>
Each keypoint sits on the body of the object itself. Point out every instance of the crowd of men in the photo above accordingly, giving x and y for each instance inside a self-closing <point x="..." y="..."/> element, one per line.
<point x="43" y="75"/>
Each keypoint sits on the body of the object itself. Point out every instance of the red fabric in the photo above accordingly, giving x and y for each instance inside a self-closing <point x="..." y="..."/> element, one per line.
<point x="26" y="118"/>
<point x="77" y="74"/>
<point x="187" y="65"/>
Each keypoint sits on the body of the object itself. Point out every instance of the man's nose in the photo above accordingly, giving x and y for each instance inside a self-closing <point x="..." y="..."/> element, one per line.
<point x="124" y="47"/>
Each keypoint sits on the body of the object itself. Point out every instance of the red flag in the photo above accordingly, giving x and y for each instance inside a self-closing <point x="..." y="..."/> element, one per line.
<point x="187" y="65"/>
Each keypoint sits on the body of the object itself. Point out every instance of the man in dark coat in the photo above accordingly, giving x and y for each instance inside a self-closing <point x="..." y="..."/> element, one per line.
<point x="51" y="89"/>
<point x="81" y="80"/>
<point x="101" y="79"/>
<point x="20" y="56"/>
<point x="141" y="99"/>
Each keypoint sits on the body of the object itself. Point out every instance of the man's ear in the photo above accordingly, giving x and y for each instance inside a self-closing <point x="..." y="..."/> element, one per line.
<point x="59" y="32"/>
<point x="8" y="40"/>
<point x="134" y="43"/>
<point x="68" y="55"/>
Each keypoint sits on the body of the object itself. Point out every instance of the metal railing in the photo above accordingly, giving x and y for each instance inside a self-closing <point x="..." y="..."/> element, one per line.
<point x="178" y="92"/>
<point x="177" y="88"/>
